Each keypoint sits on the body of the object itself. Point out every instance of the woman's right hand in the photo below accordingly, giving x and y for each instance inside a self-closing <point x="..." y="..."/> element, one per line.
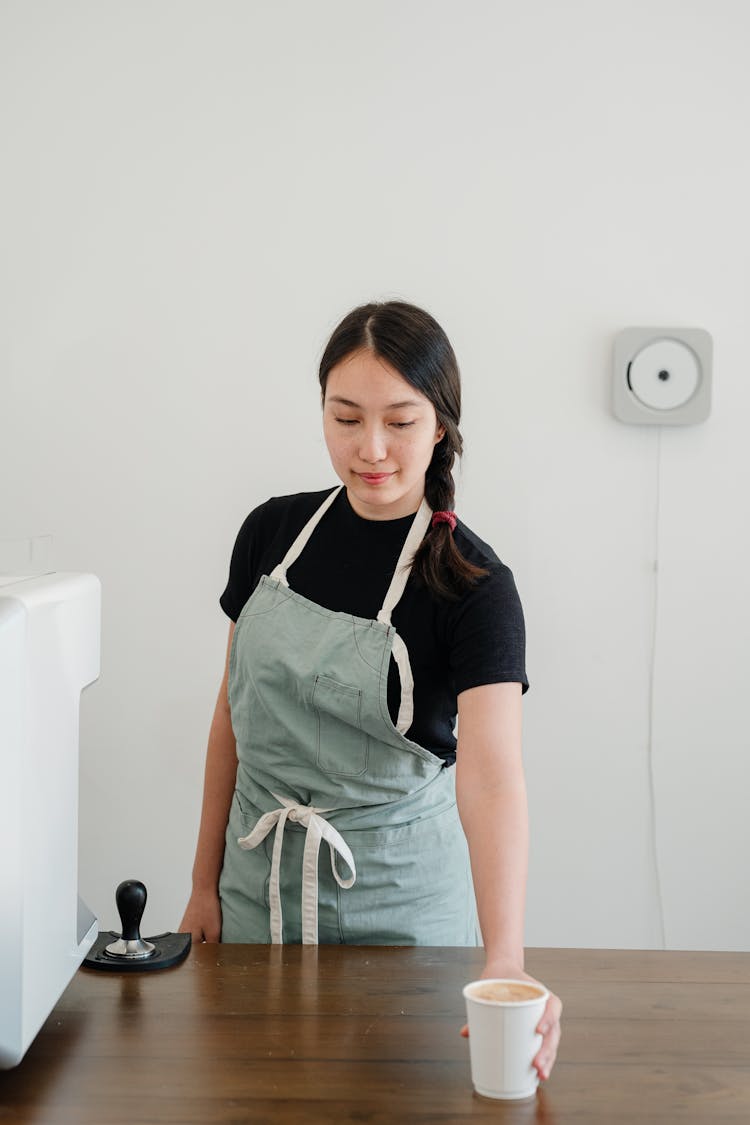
<point x="202" y="917"/>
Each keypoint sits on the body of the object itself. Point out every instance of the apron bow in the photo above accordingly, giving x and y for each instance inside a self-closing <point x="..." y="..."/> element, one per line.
<point x="318" y="829"/>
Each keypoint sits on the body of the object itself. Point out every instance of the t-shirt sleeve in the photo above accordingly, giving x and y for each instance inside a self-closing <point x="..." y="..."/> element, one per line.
<point x="488" y="633"/>
<point x="244" y="564"/>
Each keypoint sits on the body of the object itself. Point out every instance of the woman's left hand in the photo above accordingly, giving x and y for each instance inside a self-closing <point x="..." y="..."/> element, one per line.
<point x="548" y="1026"/>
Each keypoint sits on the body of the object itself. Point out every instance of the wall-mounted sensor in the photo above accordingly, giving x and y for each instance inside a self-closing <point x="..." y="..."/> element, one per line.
<point x="662" y="376"/>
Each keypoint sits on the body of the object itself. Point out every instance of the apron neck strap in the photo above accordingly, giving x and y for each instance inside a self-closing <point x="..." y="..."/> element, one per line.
<point x="300" y="542"/>
<point x="416" y="534"/>
<point x="403" y="566"/>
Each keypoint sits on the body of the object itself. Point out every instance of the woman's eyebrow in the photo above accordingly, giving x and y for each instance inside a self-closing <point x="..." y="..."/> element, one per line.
<point x="390" y="406"/>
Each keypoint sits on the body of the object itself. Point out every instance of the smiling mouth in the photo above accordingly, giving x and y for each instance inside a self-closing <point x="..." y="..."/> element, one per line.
<point x="374" y="478"/>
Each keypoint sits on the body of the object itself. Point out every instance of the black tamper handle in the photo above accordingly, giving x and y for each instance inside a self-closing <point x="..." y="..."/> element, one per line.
<point x="130" y="897"/>
<point x="131" y="953"/>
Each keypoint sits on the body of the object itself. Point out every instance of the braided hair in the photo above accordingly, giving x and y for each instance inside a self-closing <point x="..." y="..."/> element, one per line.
<point x="413" y="343"/>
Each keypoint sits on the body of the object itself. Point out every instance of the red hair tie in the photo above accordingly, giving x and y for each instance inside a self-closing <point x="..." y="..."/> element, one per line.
<point x="444" y="517"/>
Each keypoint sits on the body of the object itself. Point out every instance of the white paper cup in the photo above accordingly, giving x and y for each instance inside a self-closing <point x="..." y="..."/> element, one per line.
<point x="503" y="1040"/>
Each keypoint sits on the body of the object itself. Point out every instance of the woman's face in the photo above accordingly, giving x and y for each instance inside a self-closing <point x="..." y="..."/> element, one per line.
<point x="380" y="432"/>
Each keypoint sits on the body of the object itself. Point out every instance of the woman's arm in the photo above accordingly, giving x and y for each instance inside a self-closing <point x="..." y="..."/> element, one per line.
<point x="203" y="912"/>
<point x="491" y="797"/>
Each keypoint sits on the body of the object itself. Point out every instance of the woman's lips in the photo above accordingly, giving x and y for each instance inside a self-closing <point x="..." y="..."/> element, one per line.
<point x="375" y="478"/>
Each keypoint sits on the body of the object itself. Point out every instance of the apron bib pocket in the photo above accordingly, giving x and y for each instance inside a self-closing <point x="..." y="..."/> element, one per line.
<point x="342" y="744"/>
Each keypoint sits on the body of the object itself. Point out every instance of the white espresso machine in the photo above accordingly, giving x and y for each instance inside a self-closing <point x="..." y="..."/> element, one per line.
<point x="50" y="628"/>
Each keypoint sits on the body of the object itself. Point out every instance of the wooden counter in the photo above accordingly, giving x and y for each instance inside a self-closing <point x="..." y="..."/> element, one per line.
<point x="293" y="1034"/>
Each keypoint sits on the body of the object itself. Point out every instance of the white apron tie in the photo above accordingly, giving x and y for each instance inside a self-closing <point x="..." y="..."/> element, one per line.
<point x="392" y="598"/>
<point x="317" y="829"/>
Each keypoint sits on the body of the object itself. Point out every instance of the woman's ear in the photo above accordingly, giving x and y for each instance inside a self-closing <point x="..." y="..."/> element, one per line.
<point x="439" y="434"/>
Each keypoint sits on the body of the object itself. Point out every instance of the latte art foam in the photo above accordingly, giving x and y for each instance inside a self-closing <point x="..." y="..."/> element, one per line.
<point x="506" y="991"/>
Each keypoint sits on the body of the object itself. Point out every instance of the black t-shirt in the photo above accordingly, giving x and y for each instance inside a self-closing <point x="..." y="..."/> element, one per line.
<point x="347" y="565"/>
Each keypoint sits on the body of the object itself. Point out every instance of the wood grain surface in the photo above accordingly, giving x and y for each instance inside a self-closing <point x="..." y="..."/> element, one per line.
<point x="303" y="1034"/>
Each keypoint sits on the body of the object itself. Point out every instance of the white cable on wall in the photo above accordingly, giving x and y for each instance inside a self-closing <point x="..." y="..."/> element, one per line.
<point x="652" y="672"/>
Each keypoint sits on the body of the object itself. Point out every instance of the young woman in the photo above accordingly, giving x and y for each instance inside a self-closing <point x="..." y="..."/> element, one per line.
<point x="365" y="620"/>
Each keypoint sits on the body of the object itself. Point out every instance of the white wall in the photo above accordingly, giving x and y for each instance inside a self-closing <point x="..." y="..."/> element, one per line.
<point x="194" y="193"/>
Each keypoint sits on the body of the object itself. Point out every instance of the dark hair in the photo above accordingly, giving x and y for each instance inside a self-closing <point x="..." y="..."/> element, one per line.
<point x="413" y="342"/>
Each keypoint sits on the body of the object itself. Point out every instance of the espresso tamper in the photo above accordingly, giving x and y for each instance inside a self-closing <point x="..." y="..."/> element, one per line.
<point x="130" y="897"/>
<point x="128" y="952"/>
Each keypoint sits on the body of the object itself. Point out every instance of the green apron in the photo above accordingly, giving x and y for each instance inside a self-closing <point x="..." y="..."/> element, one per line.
<point x="320" y="760"/>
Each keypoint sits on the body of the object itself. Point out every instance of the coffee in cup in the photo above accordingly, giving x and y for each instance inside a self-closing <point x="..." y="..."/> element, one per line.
<point x="506" y="991"/>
